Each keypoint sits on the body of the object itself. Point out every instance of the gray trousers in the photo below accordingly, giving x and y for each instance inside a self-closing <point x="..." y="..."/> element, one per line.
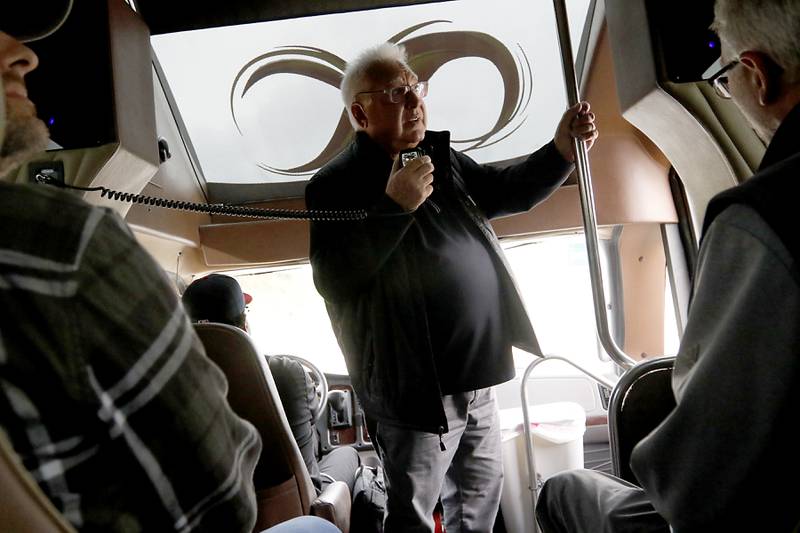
<point x="467" y="475"/>
<point x="341" y="465"/>
<point x="585" y="501"/>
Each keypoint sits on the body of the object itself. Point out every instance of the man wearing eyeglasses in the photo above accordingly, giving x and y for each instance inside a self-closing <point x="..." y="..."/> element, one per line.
<point x="420" y="297"/>
<point x="720" y="461"/>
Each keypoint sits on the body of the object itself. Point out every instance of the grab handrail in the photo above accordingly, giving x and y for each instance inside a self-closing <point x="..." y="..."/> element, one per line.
<point x="587" y="198"/>
<point x="526" y="430"/>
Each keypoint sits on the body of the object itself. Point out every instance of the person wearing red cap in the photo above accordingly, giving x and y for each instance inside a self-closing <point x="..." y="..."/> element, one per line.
<point x="106" y="394"/>
<point x="219" y="298"/>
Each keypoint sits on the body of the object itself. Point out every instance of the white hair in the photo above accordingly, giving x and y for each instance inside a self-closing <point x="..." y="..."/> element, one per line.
<point x="768" y="26"/>
<point x="364" y="68"/>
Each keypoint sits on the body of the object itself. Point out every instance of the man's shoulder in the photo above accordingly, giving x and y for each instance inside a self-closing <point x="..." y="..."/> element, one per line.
<point x="340" y="163"/>
<point x="43" y="225"/>
<point x="781" y="176"/>
<point x="741" y="236"/>
<point x="772" y="193"/>
<point x="32" y="200"/>
<point x="326" y="184"/>
<point x="741" y="218"/>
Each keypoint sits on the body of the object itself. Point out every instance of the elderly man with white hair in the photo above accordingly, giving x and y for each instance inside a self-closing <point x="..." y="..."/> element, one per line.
<point x="420" y="297"/>
<point x="725" y="458"/>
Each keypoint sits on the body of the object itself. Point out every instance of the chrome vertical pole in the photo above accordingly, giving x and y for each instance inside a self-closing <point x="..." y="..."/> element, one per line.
<point x="587" y="197"/>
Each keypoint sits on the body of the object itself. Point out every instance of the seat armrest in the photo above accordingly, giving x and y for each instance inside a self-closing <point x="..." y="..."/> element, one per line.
<point x="334" y="505"/>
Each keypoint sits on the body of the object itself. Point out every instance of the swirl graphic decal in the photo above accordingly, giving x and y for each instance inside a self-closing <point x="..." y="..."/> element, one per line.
<point x="427" y="53"/>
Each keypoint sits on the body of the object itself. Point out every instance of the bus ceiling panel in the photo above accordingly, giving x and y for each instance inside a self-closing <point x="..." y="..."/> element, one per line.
<point x="184" y="15"/>
<point x="247" y="94"/>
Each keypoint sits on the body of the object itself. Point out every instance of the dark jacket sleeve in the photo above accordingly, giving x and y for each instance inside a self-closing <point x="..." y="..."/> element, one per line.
<point x="713" y="464"/>
<point x="347" y="256"/>
<point x="517" y="188"/>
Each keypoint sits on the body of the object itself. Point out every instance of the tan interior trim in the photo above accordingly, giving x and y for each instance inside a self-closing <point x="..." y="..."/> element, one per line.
<point x="251" y="243"/>
<point x="681" y="119"/>
<point x="643" y="266"/>
<point x="278" y="504"/>
<point x="23" y="506"/>
<point x="175" y="179"/>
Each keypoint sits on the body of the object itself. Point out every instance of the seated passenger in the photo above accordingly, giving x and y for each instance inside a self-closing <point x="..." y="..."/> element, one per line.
<point x="722" y="459"/>
<point x="219" y="298"/>
<point x="97" y="358"/>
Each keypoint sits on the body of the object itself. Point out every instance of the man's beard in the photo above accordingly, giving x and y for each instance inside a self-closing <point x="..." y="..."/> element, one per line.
<point x="25" y="135"/>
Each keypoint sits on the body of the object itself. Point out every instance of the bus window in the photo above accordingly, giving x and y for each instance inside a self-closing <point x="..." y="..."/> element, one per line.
<point x="288" y="316"/>
<point x="553" y="277"/>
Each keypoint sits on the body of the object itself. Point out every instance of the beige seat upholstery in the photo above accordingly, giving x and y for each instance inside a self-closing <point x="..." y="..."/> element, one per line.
<point x="283" y="484"/>
<point x="23" y="506"/>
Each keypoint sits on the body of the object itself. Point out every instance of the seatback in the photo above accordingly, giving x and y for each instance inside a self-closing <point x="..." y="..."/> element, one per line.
<point x="297" y="394"/>
<point x="640" y="401"/>
<point x="23" y="506"/>
<point x="283" y="485"/>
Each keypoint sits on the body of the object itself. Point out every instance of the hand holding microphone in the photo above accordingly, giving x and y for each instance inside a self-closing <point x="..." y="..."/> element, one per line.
<point x="410" y="185"/>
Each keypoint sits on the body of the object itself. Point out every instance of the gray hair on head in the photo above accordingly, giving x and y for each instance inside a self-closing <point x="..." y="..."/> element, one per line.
<point x="768" y="26"/>
<point x="367" y="67"/>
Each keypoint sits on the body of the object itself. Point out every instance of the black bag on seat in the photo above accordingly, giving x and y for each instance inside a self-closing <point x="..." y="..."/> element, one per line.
<point x="369" y="500"/>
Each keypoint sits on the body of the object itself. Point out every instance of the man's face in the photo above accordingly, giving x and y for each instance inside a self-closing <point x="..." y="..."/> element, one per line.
<point x="395" y="126"/>
<point x="744" y="93"/>
<point x="25" y="134"/>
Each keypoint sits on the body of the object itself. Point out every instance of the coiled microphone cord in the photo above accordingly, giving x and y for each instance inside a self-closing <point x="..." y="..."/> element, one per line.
<point x="316" y="215"/>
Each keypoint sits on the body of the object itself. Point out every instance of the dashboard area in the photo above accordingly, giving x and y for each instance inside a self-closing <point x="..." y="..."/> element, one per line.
<point x="344" y="423"/>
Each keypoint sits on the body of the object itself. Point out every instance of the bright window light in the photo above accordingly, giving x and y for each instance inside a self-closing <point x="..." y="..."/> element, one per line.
<point x="261" y="101"/>
<point x="552" y="274"/>
<point x="288" y="316"/>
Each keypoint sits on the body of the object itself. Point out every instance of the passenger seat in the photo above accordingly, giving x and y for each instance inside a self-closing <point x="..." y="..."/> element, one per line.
<point x="23" y="506"/>
<point x="283" y="485"/>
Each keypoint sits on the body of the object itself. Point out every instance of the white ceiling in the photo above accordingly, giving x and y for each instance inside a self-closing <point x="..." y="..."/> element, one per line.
<point x="285" y="120"/>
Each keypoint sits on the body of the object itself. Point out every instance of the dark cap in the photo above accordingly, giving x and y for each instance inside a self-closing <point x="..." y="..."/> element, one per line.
<point x="28" y="20"/>
<point x="215" y="298"/>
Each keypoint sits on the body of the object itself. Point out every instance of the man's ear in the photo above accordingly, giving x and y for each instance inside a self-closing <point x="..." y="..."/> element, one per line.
<point x="359" y="114"/>
<point x="764" y="74"/>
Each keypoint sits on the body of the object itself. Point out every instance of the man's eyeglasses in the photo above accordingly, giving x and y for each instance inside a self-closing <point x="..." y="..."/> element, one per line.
<point x="398" y="94"/>
<point x="719" y="80"/>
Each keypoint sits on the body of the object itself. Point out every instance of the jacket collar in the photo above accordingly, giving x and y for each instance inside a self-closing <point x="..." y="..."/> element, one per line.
<point x="367" y="148"/>
<point x="785" y="142"/>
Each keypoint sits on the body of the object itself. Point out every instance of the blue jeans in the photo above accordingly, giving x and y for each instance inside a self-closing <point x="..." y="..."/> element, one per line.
<point x="304" y="524"/>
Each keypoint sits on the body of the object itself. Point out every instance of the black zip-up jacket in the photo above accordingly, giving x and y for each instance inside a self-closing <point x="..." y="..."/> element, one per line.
<point x="774" y="190"/>
<point x="369" y="274"/>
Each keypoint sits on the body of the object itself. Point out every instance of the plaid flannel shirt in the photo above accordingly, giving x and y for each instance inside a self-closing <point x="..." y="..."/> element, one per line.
<point x="105" y="391"/>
